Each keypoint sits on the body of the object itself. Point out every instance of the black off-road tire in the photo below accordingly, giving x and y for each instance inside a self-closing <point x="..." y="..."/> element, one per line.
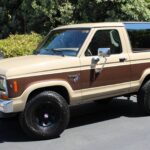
<point x="45" y="116"/>
<point x="143" y="98"/>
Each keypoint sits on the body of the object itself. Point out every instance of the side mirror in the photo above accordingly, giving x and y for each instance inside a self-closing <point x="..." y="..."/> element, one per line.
<point x="104" y="52"/>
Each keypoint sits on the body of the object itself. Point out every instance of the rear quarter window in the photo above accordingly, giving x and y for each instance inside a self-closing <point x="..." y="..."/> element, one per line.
<point x="139" y="36"/>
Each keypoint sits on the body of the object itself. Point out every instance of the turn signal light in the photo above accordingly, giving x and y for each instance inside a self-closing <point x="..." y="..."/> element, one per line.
<point x="15" y="86"/>
<point x="4" y="97"/>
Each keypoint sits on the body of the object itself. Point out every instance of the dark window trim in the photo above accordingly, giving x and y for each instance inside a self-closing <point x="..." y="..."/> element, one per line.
<point x="106" y="30"/>
<point x="136" y="27"/>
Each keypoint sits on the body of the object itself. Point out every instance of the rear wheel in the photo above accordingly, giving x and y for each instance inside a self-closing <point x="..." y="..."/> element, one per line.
<point x="143" y="97"/>
<point x="46" y="116"/>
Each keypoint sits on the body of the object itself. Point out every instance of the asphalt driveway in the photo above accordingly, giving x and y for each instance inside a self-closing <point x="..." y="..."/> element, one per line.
<point x="117" y="126"/>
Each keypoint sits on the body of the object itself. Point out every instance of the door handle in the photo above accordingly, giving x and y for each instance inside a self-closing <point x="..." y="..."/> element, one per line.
<point x="122" y="59"/>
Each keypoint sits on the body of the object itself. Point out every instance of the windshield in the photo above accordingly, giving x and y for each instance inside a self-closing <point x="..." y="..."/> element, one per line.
<point x="63" y="42"/>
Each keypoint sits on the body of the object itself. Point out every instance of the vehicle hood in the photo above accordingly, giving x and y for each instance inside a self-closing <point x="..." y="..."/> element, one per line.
<point x="12" y="67"/>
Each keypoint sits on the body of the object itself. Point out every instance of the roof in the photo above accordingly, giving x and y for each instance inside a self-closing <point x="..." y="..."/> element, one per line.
<point x="94" y="25"/>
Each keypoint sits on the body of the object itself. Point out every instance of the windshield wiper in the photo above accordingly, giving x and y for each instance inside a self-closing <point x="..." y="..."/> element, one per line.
<point x="55" y="50"/>
<point x="51" y="50"/>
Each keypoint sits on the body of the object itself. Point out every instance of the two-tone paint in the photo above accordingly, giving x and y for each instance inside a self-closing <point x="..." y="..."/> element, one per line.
<point x="77" y="74"/>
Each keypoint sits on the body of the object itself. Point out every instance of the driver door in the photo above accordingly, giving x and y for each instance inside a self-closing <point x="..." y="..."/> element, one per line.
<point x="112" y="79"/>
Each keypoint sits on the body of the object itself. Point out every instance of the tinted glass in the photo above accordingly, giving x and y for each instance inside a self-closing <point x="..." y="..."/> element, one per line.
<point x="105" y="39"/>
<point x="139" y="35"/>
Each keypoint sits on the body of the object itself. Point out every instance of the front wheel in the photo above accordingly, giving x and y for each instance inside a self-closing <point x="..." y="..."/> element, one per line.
<point x="46" y="116"/>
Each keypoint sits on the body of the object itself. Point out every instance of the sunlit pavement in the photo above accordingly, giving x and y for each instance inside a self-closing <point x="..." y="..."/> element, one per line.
<point x="116" y="126"/>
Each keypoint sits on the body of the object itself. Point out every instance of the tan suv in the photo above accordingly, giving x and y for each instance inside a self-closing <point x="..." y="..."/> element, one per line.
<point x="76" y="63"/>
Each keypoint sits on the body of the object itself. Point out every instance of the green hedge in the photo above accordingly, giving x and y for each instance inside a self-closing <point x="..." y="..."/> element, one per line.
<point x="18" y="45"/>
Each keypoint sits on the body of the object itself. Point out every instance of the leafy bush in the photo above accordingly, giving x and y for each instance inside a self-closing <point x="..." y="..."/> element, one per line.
<point x="18" y="45"/>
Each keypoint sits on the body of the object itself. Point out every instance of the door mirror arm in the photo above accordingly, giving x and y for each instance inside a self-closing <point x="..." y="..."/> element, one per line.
<point x="102" y="52"/>
<point x="95" y="60"/>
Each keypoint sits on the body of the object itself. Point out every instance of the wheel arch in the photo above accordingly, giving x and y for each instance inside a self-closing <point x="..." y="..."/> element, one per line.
<point x="58" y="89"/>
<point x="61" y="87"/>
<point x="147" y="77"/>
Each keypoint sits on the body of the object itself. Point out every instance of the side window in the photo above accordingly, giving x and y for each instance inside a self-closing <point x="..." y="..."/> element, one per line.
<point x="139" y="35"/>
<point x="104" y="39"/>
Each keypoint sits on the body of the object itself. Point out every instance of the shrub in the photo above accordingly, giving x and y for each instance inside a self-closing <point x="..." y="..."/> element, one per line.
<point x="18" y="45"/>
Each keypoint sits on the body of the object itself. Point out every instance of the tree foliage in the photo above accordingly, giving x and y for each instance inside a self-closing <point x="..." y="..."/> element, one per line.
<point x="24" y="16"/>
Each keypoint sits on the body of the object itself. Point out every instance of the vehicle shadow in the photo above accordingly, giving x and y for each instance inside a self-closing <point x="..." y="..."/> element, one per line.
<point x="81" y="115"/>
<point x="96" y="112"/>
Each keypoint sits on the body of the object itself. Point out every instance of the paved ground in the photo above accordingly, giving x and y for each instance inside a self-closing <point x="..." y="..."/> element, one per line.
<point x="119" y="126"/>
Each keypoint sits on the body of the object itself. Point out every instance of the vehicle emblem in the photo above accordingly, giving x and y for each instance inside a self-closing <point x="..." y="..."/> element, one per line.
<point x="74" y="77"/>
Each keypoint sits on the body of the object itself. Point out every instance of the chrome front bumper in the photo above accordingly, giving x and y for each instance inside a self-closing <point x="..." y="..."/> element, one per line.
<point x="6" y="106"/>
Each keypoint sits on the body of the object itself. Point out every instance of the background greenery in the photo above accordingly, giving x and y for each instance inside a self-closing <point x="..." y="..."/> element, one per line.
<point x="40" y="16"/>
<point x="18" y="45"/>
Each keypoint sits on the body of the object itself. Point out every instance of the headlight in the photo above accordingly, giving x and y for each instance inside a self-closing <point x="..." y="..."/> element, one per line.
<point x="2" y="84"/>
<point x="3" y="88"/>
